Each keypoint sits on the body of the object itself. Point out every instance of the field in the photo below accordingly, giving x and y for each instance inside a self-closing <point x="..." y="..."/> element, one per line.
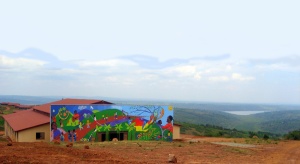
<point x="190" y="149"/>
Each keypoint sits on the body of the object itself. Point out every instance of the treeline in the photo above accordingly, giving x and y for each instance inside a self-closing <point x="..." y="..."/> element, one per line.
<point x="218" y="131"/>
<point x="294" y="135"/>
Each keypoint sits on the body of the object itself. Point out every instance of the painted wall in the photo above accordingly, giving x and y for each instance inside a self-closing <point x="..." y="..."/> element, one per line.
<point x="29" y="135"/>
<point x="176" y="132"/>
<point x="9" y="132"/>
<point x="106" y="122"/>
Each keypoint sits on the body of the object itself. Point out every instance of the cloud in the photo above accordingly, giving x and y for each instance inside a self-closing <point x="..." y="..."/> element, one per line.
<point x="105" y="63"/>
<point x="289" y="63"/>
<point x="149" y="62"/>
<point x="219" y="78"/>
<point x="236" y="76"/>
<point x="49" y="61"/>
<point x="20" y="63"/>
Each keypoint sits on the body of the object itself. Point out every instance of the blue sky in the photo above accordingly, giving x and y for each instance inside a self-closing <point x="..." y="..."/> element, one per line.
<point x="219" y="51"/>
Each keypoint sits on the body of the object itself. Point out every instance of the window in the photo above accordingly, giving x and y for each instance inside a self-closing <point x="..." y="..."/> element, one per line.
<point x="40" y="135"/>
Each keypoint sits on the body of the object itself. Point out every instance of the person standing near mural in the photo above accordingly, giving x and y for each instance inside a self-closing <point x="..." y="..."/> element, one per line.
<point x="62" y="137"/>
<point x="74" y="135"/>
<point x="70" y="136"/>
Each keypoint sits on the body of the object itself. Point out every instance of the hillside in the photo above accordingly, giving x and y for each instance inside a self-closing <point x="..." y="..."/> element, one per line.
<point x="28" y="100"/>
<point x="211" y="117"/>
<point x="279" y="122"/>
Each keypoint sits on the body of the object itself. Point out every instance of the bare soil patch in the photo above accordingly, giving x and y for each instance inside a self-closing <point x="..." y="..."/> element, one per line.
<point x="202" y="150"/>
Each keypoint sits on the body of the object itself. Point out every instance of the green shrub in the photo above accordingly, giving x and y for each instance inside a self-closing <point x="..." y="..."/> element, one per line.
<point x="294" y="135"/>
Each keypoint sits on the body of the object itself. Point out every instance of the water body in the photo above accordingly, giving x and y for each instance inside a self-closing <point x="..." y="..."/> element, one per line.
<point x="244" y="112"/>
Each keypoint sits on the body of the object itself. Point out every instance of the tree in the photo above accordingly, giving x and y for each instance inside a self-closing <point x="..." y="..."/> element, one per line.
<point x="266" y="137"/>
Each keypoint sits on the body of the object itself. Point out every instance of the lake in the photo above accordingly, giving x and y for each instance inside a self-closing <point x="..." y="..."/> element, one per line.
<point x="244" y="112"/>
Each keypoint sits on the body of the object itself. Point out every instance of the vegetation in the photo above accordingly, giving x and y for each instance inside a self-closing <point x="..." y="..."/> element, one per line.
<point x="278" y="122"/>
<point x="217" y="131"/>
<point x="2" y="109"/>
<point x="1" y="123"/>
<point x="294" y="135"/>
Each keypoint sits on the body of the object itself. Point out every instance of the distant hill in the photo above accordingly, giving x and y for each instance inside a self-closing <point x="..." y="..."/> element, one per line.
<point x="278" y="122"/>
<point x="28" y="100"/>
<point x="211" y="117"/>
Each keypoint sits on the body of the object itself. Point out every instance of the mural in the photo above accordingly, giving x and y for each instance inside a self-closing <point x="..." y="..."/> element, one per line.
<point x="71" y="123"/>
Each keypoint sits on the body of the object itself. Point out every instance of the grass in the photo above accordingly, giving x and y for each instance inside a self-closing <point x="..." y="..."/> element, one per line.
<point x="237" y="150"/>
<point x="260" y="141"/>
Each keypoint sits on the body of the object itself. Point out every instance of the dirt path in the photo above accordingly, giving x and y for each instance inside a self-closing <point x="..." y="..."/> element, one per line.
<point x="286" y="152"/>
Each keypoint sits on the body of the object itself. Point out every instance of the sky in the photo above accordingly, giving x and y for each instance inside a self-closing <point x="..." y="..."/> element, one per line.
<point x="216" y="51"/>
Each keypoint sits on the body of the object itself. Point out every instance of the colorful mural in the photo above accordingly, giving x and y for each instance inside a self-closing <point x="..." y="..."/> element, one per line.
<point x="71" y="123"/>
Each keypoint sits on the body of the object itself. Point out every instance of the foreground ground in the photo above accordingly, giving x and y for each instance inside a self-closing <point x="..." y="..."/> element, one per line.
<point x="189" y="150"/>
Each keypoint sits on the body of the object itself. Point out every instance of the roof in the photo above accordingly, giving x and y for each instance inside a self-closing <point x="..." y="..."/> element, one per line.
<point x="34" y="117"/>
<point x="25" y="119"/>
<point x="46" y="107"/>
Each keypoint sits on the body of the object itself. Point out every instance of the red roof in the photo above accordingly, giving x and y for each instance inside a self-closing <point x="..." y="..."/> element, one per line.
<point x="31" y="118"/>
<point x="46" y="107"/>
<point x="25" y="119"/>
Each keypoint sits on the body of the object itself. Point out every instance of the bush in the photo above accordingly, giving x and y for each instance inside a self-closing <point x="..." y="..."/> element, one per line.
<point x="1" y="123"/>
<point x="266" y="137"/>
<point x="294" y="135"/>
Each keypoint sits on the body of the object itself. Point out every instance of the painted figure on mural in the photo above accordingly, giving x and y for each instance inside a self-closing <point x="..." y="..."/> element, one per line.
<point x="116" y="115"/>
<point x="80" y="125"/>
<point x="169" y="125"/>
<point x="56" y="132"/>
<point x="88" y="123"/>
<point x="75" y="116"/>
<point x="61" y="124"/>
<point x="159" y="122"/>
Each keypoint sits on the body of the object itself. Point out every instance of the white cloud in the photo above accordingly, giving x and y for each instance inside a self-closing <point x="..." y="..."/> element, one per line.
<point x="236" y="76"/>
<point x="106" y="63"/>
<point x="197" y="76"/>
<point x="219" y="78"/>
<point x="20" y="63"/>
<point x="186" y="70"/>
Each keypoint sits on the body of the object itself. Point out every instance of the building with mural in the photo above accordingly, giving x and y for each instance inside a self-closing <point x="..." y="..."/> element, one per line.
<point x="107" y="122"/>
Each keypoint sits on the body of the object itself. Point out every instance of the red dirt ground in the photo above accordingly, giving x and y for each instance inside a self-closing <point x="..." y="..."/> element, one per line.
<point x="190" y="149"/>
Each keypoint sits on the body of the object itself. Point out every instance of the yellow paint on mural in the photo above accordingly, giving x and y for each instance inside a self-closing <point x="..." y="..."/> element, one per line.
<point x="170" y="108"/>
